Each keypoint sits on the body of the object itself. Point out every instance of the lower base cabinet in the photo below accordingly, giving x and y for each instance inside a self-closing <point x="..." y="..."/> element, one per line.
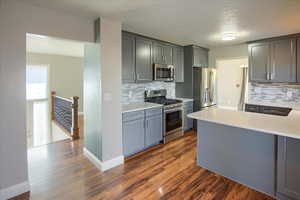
<point x="153" y="130"/>
<point x="187" y="122"/>
<point x="141" y="129"/>
<point x="133" y="137"/>
<point x="288" y="169"/>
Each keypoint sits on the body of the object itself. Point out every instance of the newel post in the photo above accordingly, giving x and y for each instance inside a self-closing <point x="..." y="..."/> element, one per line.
<point x="75" y="128"/>
<point x="53" y="94"/>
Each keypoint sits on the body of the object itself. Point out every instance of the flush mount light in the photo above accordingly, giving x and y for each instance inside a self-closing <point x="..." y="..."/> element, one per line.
<point x="228" y="36"/>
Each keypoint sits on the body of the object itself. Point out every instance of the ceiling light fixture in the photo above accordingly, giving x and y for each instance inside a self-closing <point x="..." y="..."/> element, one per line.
<point x="228" y="36"/>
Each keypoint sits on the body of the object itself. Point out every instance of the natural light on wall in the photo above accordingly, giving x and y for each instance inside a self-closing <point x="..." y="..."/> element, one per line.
<point x="36" y="82"/>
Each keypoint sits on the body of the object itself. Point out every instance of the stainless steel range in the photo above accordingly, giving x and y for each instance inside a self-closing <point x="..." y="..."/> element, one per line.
<point x="172" y="113"/>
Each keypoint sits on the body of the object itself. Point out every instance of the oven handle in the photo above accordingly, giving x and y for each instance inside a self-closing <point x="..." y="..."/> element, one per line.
<point x="173" y="110"/>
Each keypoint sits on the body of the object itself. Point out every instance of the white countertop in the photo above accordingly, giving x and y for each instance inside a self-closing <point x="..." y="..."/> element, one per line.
<point x="288" y="126"/>
<point x="184" y="99"/>
<point x="139" y="106"/>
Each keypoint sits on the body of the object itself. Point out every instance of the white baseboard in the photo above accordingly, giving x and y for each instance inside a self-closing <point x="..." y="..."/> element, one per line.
<point x="103" y="166"/>
<point x="14" y="190"/>
<point x="112" y="163"/>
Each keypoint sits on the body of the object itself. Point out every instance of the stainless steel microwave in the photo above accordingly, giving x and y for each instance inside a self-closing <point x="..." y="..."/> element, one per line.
<point x="163" y="72"/>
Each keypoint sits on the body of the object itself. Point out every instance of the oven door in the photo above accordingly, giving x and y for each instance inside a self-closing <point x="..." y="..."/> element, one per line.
<point x="173" y="121"/>
<point x="163" y="72"/>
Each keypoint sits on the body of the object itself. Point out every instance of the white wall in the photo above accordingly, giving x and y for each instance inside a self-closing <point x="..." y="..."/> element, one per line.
<point x="66" y="74"/>
<point x="17" y="18"/>
<point x="230" y="74"/>
<point x="110" y="36"/>
<point x="228" y="52"/>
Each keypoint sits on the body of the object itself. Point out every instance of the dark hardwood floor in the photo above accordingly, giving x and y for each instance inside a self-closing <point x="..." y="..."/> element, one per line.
<point x="60" y="171"/>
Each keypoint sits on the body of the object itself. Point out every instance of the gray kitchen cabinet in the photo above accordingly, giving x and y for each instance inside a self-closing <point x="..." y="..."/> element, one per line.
<point x="178" y="62"/>
<point x="283" y="61"/>
<point x="273" y="61"/>
<point x="288" y="165"/>
<point x="133" y="136"/>
<point x="128" y="58"/>
<point x="153" y="132"/>
<point x="162" y="53"/>
<point x="259" y="61"/>
<point x="158" y="55"/>
<point x="298" y="60"/>
<point x="200" y="57"/>
<point x="187" y="109"/>
<point x="141" y="129"/>
<point x="143" y="60"/>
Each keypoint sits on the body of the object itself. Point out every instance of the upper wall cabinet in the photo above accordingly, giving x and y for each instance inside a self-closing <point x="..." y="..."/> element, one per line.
<point x="143" y="61"/>
<point x="162" y="53"/>
<point x="273" y="61"/>
<point x="128" y="58"/>
<point x="178" y="62"/>
<point x="140" y="53"/>
<point x="283" y="57"/>
<point x="200" y="57"/>
<point x="259" y="61"/>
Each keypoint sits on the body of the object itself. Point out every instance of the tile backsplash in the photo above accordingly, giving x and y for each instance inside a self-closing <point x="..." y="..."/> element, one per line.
<point x="274" y="94"/>
<point x="134" y="92"/>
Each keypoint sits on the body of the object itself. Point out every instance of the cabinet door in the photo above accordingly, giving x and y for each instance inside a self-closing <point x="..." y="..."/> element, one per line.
<point x="196" y="57"/>
<point x="203" y="57"/>
<point x="283" y="67"/>
<point x="259" y="60"/>
<point x="128" y="58"/>
<point x="153" y="130"/>
<point x="288" y="165"/>
<point x="298" y="60"/>
<point x="190" y="121"/>
<point x="133" y="136"/>
<point x="178" y="60"/>
<point x="168" y="55"/>
<point x="200" y="57"/>
<point x="158" y="53"/>
<point x="143" y="60"/>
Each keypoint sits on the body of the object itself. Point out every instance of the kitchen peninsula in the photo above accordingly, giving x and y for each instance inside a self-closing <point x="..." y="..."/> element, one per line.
<point x="258" y="150"/>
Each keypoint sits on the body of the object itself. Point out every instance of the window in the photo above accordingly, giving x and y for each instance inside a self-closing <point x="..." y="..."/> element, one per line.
<point x="36" y="82"/>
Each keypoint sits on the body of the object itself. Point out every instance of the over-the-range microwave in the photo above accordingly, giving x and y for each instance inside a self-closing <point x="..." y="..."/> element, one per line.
<point x="163" y="72"/>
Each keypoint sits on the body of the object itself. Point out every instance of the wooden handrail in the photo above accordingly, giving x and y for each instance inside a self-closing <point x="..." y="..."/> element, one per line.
<point x="74" y="106"/>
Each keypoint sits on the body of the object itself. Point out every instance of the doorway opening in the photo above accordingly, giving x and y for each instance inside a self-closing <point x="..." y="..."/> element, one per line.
<point x="232" y="83"/>
<point x="54" y="89"/>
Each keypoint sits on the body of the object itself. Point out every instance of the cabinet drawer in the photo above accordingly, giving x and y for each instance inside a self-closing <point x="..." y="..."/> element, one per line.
<point x="135" y="115"/>
<point x="153" y="111"/>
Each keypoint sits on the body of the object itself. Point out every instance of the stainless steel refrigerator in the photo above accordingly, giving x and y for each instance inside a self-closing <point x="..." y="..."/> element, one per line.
<point x="204" y="87"/>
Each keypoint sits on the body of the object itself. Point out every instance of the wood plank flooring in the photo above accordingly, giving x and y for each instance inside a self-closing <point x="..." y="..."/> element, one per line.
<point x="60" y="171"/>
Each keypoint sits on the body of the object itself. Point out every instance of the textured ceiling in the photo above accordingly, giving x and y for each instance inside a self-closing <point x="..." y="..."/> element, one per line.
<point x="193" y="21"/>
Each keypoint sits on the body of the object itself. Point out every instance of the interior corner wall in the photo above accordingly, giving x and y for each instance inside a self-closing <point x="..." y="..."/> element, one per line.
<point x="16" y="19"/>
<point x="110" y="37"/>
